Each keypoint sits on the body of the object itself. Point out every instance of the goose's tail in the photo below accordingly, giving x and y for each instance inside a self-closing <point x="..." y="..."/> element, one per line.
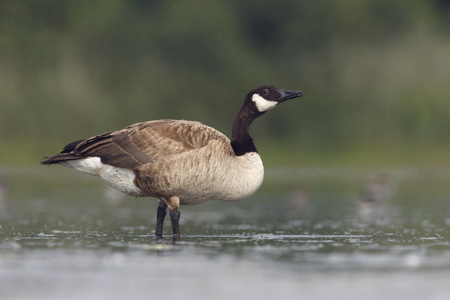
<point x="65" y="155"/>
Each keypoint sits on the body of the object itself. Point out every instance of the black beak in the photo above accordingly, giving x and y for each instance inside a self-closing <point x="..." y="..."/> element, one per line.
<point x="286" y="95"/>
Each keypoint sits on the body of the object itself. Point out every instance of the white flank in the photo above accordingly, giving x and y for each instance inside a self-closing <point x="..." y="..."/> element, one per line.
<point x="262" y="104"/>
<point x="119" y="178"/>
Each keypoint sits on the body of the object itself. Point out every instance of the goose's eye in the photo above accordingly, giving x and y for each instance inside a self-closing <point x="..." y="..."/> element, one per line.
<point x="265" y="92"/>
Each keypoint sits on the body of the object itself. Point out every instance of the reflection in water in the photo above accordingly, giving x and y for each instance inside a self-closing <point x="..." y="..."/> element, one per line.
<point x="113" y="197"/>
<point x="379" y="189"/>
<point x="373" y="202"/>
<point x="299" y="200"/>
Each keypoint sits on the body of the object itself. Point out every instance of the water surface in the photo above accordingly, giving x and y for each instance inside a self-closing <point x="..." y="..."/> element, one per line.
<point x="309" y="233"/>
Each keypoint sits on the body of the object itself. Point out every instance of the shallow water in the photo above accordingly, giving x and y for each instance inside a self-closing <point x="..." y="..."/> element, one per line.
<point x="308" y="233"/>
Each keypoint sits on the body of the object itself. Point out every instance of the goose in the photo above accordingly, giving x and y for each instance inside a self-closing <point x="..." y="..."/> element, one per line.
<point x="178" y="162"/>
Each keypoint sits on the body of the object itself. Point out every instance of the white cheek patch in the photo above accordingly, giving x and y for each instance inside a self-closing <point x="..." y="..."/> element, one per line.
<point x="262" y="104"/>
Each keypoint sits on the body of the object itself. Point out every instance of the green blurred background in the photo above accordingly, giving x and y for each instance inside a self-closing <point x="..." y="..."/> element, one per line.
<point x="375" y="74"/>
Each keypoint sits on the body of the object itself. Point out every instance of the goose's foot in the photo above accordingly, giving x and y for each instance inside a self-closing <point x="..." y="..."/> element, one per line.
<point x="160" y="215"/>
<point x="175" y="217"/>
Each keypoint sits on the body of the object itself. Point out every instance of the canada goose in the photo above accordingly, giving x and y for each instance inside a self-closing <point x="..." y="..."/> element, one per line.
<point x="176" y="161"/>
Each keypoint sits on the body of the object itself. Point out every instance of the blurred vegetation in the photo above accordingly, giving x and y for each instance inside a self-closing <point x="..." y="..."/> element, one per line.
<point x="375" y="73"/>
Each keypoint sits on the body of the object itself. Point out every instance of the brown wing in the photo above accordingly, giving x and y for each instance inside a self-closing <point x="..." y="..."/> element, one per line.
<point x="142" y="143"/>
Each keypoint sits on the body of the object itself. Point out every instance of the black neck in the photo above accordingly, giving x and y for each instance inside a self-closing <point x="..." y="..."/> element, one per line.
<point x="241" y="141"/>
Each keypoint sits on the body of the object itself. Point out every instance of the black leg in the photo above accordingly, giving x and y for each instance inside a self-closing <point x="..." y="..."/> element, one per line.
<point x="161" y="214"/>
<point x="175" y="217"/>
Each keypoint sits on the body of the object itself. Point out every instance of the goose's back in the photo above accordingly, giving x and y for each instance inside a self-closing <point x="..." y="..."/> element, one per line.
<point x="148" y="142"/>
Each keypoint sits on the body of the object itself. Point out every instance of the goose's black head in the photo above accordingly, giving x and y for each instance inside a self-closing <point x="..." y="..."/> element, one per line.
<point x="266" y="97"/>
<point x="256" y="103"/>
